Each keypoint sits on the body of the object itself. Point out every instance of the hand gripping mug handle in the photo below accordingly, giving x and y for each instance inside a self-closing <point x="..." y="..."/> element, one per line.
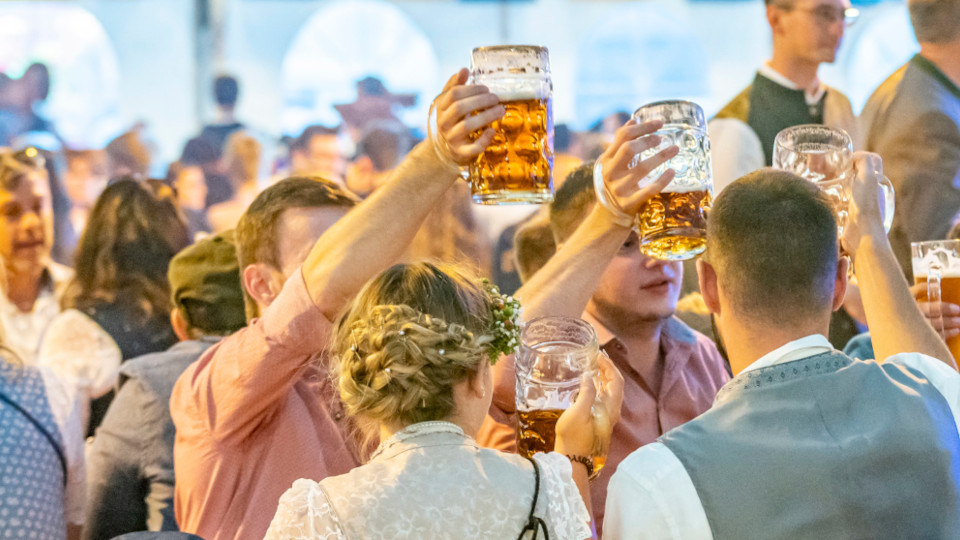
<point x="887" y="203"/>
<point x="607" y="200"/>
<point x="933" y="297"/>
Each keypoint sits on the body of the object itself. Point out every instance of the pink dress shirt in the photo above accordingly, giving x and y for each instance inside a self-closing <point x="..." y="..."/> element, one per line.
<point x="255" y="413"/>
<point x="693" y="372"/>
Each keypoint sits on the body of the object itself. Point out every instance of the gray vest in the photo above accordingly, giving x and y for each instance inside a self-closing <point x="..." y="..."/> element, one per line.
<point x="825" y="447"/>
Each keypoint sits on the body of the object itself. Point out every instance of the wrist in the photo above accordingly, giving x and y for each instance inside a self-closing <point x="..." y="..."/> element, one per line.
<point x="583" y="462"/>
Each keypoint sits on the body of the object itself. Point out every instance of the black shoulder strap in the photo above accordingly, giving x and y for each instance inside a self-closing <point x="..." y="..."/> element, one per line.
<point x="534" y="523"/>
<point x="56" y="447"/>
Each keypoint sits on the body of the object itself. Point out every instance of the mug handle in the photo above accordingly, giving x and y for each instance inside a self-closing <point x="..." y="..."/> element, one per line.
<point x="887" y="203"/>
<point x="933" y="296"/>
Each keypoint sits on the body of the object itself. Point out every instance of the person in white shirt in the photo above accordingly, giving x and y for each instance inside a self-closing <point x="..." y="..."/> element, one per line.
<point x="804" y="442"/>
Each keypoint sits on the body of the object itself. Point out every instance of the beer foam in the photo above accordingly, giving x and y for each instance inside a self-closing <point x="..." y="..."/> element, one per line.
<point x="520" y="94"/>
<point x="672" y="187"/>
<point x="940" y="258"/>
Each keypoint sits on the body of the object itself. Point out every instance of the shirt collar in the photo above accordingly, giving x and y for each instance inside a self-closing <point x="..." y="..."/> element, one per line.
<point x="795" y="350"/>
<point x="812" y="94"/>
<point x="604" y="335"/>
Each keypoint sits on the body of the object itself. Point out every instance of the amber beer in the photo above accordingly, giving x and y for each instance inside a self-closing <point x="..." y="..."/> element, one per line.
<point x="517" y="165"/>
<point x="537" y="432"/>
<point x="949" y="293"/>
<point x="673" y="224"/>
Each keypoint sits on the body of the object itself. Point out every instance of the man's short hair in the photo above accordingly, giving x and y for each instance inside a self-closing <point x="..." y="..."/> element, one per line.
<point x="384" y="147"/>
<point x="256" y="234"/>
<point x="301" y="143"/>
<point x="533" y="245"/>
<point x="772" y="238"/>
<point x="935" y="21"/>
<point x="572" y="202"/>
<point x="225" y="91"/>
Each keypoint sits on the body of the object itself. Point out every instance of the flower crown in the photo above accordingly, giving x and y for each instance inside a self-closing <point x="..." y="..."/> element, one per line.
<point x="506" y="322"/>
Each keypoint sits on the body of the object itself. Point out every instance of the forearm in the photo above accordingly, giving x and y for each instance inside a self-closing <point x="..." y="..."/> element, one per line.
<point x="377" y="232"/>
<point x="565" y="284"/>
<point x="583" y="486"/>
<point x="896" y="323"/>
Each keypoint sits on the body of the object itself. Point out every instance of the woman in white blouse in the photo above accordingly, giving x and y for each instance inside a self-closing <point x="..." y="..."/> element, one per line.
<point x="415" y="349"/>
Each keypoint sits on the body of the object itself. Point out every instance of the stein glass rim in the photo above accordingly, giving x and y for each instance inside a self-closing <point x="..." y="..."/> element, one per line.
<point x="785" y="138"/>
<point x="516" y="48"/>
<point x="591" y="342"/>
<point x="694" y="107"/>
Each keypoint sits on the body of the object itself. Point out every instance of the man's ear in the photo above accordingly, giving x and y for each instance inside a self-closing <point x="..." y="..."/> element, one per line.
<point x="257" y="279"/>
<point x="707" y="277"/>
<point x="179" y="324"/>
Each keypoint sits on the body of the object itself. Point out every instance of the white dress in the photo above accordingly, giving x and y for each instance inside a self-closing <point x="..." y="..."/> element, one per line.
<point x="431" y="480"/>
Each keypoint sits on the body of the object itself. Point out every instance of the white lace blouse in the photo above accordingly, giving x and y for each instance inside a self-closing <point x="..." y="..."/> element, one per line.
<point x="433" y="481"/>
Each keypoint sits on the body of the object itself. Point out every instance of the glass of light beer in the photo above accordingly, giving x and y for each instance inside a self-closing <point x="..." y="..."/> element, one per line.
<point x="937" y="264"/>
<point x="673" y="224"/>
<point x="555" y="352"/>
<point x="517" y="166"/>
<point x="824" y="156"/>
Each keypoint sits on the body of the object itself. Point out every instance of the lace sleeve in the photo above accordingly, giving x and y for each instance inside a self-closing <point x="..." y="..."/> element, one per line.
<point x="566" y="515"/>
<point x="78" y="349"/>
<point x="305" y="513"/>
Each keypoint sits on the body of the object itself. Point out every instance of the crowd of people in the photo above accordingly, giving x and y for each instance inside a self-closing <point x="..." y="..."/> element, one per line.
<point x="307" y="347"/>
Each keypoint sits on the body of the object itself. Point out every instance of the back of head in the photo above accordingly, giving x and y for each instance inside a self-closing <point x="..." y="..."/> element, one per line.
<point x="772" y="239"/>
<point x="384" y="147"/>
<point x="411" y="334"/>
<point x="533" y="245"/>
<point x="225" y="91"/>
<point x="935" y="21"/>
<point x="302" y="143"/>
<point x="132" y="233"/>
<point x="241" y="155"/>
<point x="256" y="232"/>
<point x="572" y="202"/>
<point x="127" y="155"/>
<point x="205" y="286"/>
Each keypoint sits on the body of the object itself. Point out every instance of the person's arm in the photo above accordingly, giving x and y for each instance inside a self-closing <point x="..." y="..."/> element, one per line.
<point x="376" y="233"/>
<point x="565" y="284"/>
<point x="241" y="379"/>
<point x="895" y="321"/>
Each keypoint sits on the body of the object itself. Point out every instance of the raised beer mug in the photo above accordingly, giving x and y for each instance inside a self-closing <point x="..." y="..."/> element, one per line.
<point x="824" y="156"/>
<point x="672" y="225"/>
<point x="517" y="166"/>
<point x="936" y="263"/>
<point x="555" y="352"/>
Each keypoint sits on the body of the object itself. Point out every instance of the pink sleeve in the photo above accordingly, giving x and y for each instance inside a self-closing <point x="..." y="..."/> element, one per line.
<point x="238" y="383"/>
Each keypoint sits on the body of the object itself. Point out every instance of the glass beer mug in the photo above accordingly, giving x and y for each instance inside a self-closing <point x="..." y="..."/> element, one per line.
<point x="673" y="224"/>
<point x="517" y="166"/>
<point x="937" y="264"/>
<point x="824" y="156"/>
<point x="555" y="352"/>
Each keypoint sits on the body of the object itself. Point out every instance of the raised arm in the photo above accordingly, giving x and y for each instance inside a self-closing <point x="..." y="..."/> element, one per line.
<point x="895" y="321"/>
<point x="565" y="284"/>
<point x="376" y="233"/>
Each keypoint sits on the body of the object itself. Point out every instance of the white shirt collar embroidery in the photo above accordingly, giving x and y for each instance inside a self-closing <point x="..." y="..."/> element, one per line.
<point x="802" y="348"/>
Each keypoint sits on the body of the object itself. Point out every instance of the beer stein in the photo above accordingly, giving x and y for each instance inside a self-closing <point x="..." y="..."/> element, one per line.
<point x="936" y="263"/>
<point x="824" y="156"/>
<point x="555" y="352"/>
<point x="517" y="166"/>
<point x="673" y="224"/>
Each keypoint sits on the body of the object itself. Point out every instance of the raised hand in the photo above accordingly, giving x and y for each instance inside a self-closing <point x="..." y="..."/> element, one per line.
<point x="462" y="110"/>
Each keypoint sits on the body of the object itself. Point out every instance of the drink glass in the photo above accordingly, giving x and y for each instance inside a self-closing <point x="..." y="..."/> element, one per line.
<point x="936" y="263"/>
<point x="824" y="156"/>
<point x="555" y="352"/>
<point x="517" y="165"/>
<point x="672" y="225"/>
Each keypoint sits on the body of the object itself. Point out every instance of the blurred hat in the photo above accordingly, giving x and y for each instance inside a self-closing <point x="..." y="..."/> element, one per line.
<point x="208" y="271"/>
<point x="374" y="102"/>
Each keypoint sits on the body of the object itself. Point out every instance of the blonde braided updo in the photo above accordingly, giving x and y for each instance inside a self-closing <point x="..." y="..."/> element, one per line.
<point x="411" y="334"/>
